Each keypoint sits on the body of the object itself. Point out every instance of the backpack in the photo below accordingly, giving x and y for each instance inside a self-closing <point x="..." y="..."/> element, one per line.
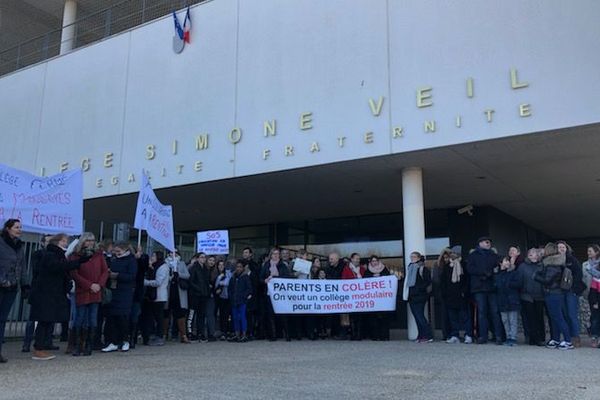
<point x="566" y="281"/>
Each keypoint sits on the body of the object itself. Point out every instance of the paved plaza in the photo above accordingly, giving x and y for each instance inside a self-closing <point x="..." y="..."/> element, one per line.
<point x="307" y="370"/>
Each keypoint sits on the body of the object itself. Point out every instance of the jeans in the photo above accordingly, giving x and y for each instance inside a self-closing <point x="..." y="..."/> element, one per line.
<point x="460" y="320"/>
<point x="87" y="316"/>
<point x="7" y="298"/>
<point x="73" y="315"/>
<point x="487" y="302"/>
<point x="558" y="324"/>
<point x="239" y="318"/>
<point x="210" y="317"/>
<point x="510" y="320"/>
<point x="418" y="310"/>
<point x="572" y="313"/>
<point x="595" y="321"/>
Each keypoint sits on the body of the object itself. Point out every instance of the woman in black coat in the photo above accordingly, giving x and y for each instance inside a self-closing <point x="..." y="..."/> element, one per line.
<point x="48" y="298"/>
<point x="123" y="270"/>
<point x="274" y="268"/>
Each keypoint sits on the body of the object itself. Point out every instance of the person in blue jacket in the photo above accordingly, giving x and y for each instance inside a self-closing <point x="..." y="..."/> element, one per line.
<point x="509" y="303"/>
<point x="123" y="271"/>
<point x="240" y="292"/>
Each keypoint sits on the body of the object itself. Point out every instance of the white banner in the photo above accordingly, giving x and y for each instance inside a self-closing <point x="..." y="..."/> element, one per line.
<point x="153" y="216"/>
<point x="51" y="204"/>
<point x="316" y="296"/>
<point x="213" y="242"/>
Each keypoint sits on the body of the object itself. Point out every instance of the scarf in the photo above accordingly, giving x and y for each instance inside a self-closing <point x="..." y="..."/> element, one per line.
<point x="356" y="270"/>
<point x="377" y="268"/>
<point x="410" y="279"/>
<point x="457" y="269"/>
<point x="273" y="269"/>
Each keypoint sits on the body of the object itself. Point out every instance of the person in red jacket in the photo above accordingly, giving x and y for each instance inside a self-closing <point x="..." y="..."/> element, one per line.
<point x="89" y="279"/>
<point x="353" y="270"/>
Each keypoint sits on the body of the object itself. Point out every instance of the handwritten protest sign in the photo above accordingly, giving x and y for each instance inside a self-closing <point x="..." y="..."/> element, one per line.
<point x="154" y="217"/>
<point x="316" y="296"/>
<point x="52" y="204"/>
<point x="213" y="242"/>
<point x="302" y="266"/>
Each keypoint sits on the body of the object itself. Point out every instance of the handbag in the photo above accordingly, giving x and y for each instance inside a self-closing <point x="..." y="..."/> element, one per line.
<point x="106" y="296"/>
<point x="184" y="284"/>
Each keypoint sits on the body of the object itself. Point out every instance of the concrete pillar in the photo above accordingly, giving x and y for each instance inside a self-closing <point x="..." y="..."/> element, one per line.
<point x="67" y="38"/>
<point x="413" y="213"/>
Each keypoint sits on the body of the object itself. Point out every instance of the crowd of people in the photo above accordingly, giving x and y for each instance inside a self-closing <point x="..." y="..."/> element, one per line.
<point x="108" y="295"/>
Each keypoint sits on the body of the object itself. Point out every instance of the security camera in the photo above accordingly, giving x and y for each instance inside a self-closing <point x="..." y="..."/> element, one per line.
<point x="466" y="210"/>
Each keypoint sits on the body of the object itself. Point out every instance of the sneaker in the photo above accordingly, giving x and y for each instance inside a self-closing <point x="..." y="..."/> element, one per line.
<point x="453" y="340"/>
<point x="111" y="347"/>
<point x="426" y="341"/>
<point x="468" y="339"/>
<point x="125" y="346"/>
<point x="41" y="355"/>
<point x="565" y="346"/>
<point x="244" y="339"/>
<point x="552" y="344"/>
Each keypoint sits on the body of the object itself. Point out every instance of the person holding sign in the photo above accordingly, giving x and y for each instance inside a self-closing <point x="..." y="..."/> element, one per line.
<point x="275" y="268"/>
<point x="12" y="271"/>
<point x="353" y="270"/>
<point x="378" y="323"/>
<point x="48" y="298"/>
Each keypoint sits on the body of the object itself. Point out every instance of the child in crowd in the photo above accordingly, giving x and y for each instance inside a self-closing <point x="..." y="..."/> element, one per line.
<point x="508" y="299"/>
<point x="240" y="291"/>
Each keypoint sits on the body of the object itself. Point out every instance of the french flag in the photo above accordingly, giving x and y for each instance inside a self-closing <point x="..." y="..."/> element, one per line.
<point x="187" y="25"/>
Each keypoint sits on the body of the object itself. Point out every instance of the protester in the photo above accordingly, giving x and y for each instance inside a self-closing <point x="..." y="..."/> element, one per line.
<point x="455" y="296"/>
<point x="123" y="271"/>
<point x="90" y="280"/>
<point x="508" y="298"/>
<point x="36" y="259"/>
<point x="480" y="267"/>
<point x="103" y="325"/>
<point x="222" y="297"/>
<point x="135" y="317"/>
<point x="178" y="295"/>
<point x="211" y="306"/>
<point x="436" y="290"/>
<point x="353" y="270"/>
<point x="158" y="278"/>
<point x="416" y="291"/>
<point x="576" y="290"/>
<point x="12" y="272"/>
<point x="199" y="294"/>
<point x="532" y="297"/>
<point x="378" y="323"/>
<point x="240" y="291"/>
<point x="550" y="276"/>
<point x="592" y="269"/>
<point x="253" y="305"/>
<point x="48" y="298"/>
<point x="275" y="268"/>
<point x="334" y="271"/>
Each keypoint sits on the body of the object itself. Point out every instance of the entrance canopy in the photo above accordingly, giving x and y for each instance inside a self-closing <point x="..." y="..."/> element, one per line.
<point x="549" y="180"/>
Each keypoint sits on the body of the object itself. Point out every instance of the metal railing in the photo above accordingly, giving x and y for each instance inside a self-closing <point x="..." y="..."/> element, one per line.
<point x="89" y="29"/>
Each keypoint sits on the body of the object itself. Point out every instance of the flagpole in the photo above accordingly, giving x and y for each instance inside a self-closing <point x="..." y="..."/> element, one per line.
<point x="139" y="237"/>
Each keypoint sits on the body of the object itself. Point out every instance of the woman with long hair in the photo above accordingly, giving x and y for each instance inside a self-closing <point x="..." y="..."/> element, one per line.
<point x="378" y="322"/>
<point x="90" y="280"/>
<point x="157" y="284"/>
<point x="550" y="276"/>
<point x="592" y="278"/>
<point x="572" y="295"/>
<point x="12" y="271"/>
<point x="416" y="283"/>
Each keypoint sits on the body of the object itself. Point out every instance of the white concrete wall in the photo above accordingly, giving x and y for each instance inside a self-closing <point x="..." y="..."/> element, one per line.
<point x="252" y="61"/>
